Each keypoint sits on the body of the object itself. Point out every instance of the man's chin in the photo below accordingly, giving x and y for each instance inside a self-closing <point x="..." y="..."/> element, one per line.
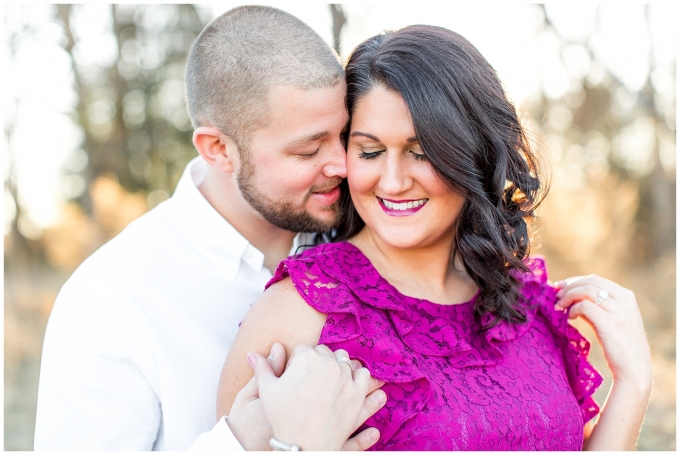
<point x="326" y="216"/>
<point x="303" y="221"/>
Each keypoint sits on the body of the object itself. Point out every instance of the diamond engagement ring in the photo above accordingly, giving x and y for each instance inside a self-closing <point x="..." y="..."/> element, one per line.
<point x="347" y="361"/>
<point x="601" y="296"/>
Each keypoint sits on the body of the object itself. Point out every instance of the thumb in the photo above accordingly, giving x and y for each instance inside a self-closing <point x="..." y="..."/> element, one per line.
<point x="264" y="374"/>
<point x="277" y="358"/>
<point x="362" y="441"/>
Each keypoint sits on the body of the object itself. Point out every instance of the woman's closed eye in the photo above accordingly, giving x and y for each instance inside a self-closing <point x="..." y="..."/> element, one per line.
<point x="370" y="155"/>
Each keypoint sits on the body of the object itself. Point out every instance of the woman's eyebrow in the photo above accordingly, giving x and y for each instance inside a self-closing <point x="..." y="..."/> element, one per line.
<point x="359" y="133"/>
<point x="370" y="136"/>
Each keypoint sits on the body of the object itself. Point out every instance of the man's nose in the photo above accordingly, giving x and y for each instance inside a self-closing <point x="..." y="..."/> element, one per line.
<point x="336" y="166"/>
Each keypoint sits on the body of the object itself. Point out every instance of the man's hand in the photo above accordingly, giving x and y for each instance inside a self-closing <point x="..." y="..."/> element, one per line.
<point x="247" y="419"/>
<point x="318" y="402"/>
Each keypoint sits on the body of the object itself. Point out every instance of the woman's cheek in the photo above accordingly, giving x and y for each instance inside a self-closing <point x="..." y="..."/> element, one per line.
<point x="361" y="177"/>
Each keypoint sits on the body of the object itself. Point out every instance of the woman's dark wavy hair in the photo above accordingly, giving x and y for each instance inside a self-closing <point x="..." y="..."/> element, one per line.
<point x="471" y="135"/>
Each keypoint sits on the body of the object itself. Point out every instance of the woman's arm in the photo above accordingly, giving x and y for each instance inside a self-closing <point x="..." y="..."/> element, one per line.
<point x="279" y="315"/>
<point x="618" y="325"/>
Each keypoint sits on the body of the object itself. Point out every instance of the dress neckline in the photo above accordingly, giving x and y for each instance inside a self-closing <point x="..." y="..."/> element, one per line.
<point x="407" y="298"/>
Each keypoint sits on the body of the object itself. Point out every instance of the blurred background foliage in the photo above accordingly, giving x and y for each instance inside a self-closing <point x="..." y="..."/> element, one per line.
<point x="610" y="151"/>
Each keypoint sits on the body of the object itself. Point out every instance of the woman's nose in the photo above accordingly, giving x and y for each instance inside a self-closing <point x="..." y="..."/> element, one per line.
<point x="395" y="178"/>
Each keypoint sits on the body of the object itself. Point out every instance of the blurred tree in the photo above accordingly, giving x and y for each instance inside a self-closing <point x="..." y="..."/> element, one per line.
<point x="607" y="138"/>
<point x="132" y="112"/>
<point x="17" y="246"/>
<point x="339" y="21"/>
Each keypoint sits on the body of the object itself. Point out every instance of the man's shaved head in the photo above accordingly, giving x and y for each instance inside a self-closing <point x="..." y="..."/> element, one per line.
<point x="240" y="55"/>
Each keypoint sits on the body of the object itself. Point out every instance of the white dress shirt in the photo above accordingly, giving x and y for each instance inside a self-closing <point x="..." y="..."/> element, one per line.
<point x="139" y="333"/>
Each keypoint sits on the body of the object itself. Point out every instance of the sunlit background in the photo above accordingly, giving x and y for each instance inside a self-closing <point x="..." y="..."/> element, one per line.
<point x="96" y="134"/>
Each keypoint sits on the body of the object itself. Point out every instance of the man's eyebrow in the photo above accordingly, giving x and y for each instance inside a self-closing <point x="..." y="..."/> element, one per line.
<point x="370" y="136"/>
<point x="307" y="139"/>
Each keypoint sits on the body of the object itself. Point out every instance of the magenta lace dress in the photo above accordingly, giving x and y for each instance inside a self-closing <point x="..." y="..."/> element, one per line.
<point x="450" y="386"/>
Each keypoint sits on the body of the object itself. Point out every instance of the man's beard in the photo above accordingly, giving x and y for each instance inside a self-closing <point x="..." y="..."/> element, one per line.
<point x="283" y="214"/>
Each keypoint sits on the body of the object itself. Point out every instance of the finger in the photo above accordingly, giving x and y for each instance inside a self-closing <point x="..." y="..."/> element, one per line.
<point x="595" y="280"/>
<point x="362" y="441"/>
<point x="298" y="350"/>
<point x="570" y="280"/>
<point x="362" y="378"/>
<point x="569" y="296"/>
<point x="588" y="311"/>
<point x="324" y="350"/>
<point x="343" y="358"/>
<point x="372" y="404"/>
<point x="374" y="384"/>
<point x="277" y="358"/>
<point x="250" y="392"/>
<point x="264" y="373"/>
<point x="341" y="354"/>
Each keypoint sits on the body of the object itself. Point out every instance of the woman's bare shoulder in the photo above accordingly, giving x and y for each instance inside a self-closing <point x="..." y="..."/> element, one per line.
<point x="281" y="305"/>
<point x="279" y="315"/>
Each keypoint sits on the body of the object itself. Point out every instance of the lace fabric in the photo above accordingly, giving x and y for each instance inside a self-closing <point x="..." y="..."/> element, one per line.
<point x="449" y="385"/>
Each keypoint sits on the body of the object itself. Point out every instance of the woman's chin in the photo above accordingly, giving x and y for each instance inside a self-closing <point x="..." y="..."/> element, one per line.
<point x="407" y="239"/>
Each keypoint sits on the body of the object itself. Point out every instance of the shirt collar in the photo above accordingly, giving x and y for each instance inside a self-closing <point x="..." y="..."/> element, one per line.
<point x="206" y="229"/>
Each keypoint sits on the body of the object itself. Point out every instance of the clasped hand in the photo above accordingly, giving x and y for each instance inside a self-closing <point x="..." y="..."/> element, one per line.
<point x="316" y="403"/>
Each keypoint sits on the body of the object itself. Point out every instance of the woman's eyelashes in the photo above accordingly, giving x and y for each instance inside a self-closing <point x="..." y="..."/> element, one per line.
<point x="371" y="155"/>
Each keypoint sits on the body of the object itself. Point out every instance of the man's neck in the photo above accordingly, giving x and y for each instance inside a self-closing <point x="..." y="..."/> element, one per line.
<point x="222" y="193"/>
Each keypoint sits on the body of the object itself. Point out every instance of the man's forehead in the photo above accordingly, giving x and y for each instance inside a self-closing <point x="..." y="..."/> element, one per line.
<point x="307" y="115"/>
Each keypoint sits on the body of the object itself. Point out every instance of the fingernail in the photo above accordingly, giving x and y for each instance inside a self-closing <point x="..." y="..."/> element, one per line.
<point x="559" y="284"/>
<point x="380" y="398"/>
<point x="272" y="352"/>
<point x="560" y="293"/>
<point x="251" y="360"/>
<point x="374" y="435"/>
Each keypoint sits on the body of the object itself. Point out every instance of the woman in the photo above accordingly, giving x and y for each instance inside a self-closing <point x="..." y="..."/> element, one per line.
<point x="429" y="284"/>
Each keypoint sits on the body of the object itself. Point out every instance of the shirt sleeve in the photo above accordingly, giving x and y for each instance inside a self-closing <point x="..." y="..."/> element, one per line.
<point x="220" y="438"/>
<point x="98" y="382"/>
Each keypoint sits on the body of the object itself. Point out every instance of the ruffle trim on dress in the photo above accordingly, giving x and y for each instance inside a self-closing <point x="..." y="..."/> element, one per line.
<point x="540" y="298"/>
<point x="319" y="278"/>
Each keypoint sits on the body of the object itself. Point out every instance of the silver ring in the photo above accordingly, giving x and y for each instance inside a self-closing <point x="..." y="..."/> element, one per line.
<point x="601" y="296"/>
<point x="347" y="361"/>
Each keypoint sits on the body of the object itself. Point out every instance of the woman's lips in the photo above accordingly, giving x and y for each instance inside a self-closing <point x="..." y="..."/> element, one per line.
<point x="403" y="207"/>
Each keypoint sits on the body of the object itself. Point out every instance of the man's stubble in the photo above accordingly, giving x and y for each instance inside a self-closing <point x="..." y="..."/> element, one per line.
<point x="281" y="213"/>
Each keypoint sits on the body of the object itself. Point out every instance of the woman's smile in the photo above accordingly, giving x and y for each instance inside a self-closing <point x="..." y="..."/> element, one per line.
<point x="401" y="208"/>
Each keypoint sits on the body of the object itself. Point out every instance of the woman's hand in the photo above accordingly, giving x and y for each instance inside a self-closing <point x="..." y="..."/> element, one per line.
<point x="318" y="401"/>
<point x="614" y="314"/>
<point x="617" y="322"/>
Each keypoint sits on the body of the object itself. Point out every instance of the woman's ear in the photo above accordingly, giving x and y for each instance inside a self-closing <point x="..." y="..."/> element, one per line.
<point x="218" y="149"/>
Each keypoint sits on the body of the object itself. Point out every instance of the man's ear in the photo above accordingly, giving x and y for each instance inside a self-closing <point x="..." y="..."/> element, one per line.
<point x="218" y="149"/>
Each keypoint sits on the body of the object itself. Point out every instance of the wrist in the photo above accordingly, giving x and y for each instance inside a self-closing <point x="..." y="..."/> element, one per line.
<point x="635" y="385"/>
<point x="278" y="445"/>
<point x="641" y="379"/>
<point x="235" y="431"/>
<point x="241" y="435"/>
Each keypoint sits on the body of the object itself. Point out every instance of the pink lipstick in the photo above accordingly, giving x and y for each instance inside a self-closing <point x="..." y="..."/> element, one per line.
<point x="404" y="207"/>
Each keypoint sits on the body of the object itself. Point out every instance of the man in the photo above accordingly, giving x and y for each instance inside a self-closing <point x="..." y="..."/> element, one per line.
<point x="138" y="335"/>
